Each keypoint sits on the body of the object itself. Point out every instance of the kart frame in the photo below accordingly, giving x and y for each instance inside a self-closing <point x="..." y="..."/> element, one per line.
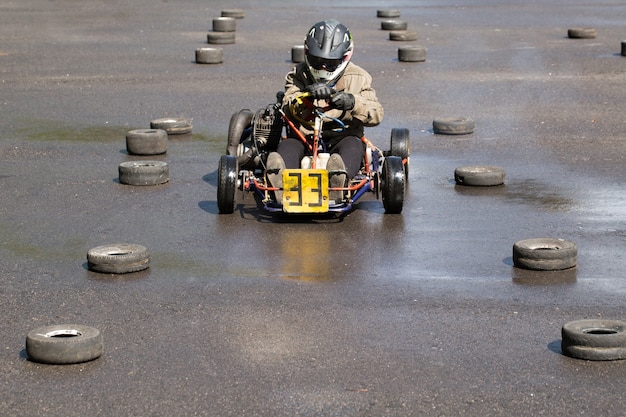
<point x="383" y="173"/>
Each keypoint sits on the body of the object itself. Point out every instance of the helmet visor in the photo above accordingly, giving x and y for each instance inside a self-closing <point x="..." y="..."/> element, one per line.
<point x="323" y="63"/>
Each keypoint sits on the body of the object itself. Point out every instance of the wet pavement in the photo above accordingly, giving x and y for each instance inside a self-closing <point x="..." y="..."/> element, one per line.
<point x="421" y="313"/>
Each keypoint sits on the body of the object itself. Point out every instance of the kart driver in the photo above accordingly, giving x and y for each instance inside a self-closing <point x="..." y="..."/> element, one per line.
<point x="334" y="83"/>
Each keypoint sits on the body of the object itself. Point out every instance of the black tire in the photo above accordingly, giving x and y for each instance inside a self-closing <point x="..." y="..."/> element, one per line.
<point x="581" y="33"/>
<point x="623" y="48"/>
<point x="389" y="13"/>
<point x="173" y="125"/>
<point x="545" y="254"/>
<point x="144" y="172"/>
<point x="595" y="340"/>
<point x="224" y="24"/>
<point x="146" y="142"/>
<point x="64" y="344"/>
<point x="402" y="35"/>
<point x="393" y="25"/>
<point x="479" y="176"/>
<point x="238" y="123"/>
<point x="297" y="54"/>
<point x="453" y="126"/>
<point x="209" y="55"/>
<point x="119" y="258"/>
<point x="401" y="146"/>
<point x="393" y="185"/>
<point x="412" y="53"/>
<point x="236" y="13"/>
<point x="226" y="184"/>
<point x="221" y="38"/>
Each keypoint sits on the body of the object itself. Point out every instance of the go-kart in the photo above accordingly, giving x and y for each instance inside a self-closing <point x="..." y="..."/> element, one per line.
<point x="252" y="136"/>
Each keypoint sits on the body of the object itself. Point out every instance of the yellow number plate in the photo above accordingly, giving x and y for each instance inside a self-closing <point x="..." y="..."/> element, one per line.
<point x="305" y="190"/>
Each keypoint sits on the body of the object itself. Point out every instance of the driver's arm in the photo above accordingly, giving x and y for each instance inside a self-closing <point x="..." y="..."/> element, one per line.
<point x="295" y="83"/>
<point x="367" y="108"/>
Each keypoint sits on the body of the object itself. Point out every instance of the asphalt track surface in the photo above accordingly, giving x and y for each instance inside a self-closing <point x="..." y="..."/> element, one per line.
<point x="421" y="313"/>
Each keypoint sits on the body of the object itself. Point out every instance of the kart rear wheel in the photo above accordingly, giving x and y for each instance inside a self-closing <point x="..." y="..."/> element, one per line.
<point x="393" y="184"/>
<point x="401" y="146"/>
<point x="238" y="123"/>
<point x="226" y="184"/>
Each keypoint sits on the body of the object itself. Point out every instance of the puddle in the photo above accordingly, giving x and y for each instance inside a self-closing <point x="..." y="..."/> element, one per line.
<point x="545" y="196"/>
<point x="532" y="278"/>
<point x="54" y="131"/>
<point x="530" y="192"/>
<point x="49" y="131"/>
<point x="16" y="243"/>
<point x="181" y="263"/>
<point x="216" y="144"/>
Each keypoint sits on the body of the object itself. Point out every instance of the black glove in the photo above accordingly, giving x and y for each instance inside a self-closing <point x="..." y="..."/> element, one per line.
<point x="320" y="91"/>
<point x="342" y="100"/>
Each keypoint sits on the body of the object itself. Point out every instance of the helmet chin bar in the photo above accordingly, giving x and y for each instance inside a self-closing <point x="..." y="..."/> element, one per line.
<point x="323" y="76"/>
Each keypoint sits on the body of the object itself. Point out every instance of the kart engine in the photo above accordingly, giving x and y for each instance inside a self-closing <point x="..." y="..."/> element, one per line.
<point x="266" y="128"/>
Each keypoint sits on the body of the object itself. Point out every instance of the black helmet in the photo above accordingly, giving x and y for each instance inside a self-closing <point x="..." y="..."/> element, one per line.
<point x="327" y="50"/>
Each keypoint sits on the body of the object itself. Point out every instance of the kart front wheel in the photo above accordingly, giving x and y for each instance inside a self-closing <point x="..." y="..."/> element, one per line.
<point x="393" y="184"/>
<point x="226" y="184"/>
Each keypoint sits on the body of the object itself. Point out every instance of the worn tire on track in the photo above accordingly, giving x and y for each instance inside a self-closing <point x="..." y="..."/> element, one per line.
<point x="221" y="38"/>
<point x="581" y="33"/>
<point x="118" y="258"/>
<point x="224" y="24"/>
<point x="144" y="172"/>
<point x="297" y="54"/>
<point x="146" y="142"/>
<point x="479" y="175"/>
<point x="236" y="13"/>
<point x="389" y="13"/>
<point x="209" y="55"/>
<point x="402" y="35"/>
<point x="393" y="25"/>
<point x="453" y="126"/>
<point x="413" y="53"/>
<point x="173" y="125"/>
<point x="545" y="254"/>
<point x="599" y="340"/>
<point x="62" y="344"/>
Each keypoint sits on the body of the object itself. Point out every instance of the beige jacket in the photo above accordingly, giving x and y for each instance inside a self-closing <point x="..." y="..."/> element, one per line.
<point x="367" y="109"/>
